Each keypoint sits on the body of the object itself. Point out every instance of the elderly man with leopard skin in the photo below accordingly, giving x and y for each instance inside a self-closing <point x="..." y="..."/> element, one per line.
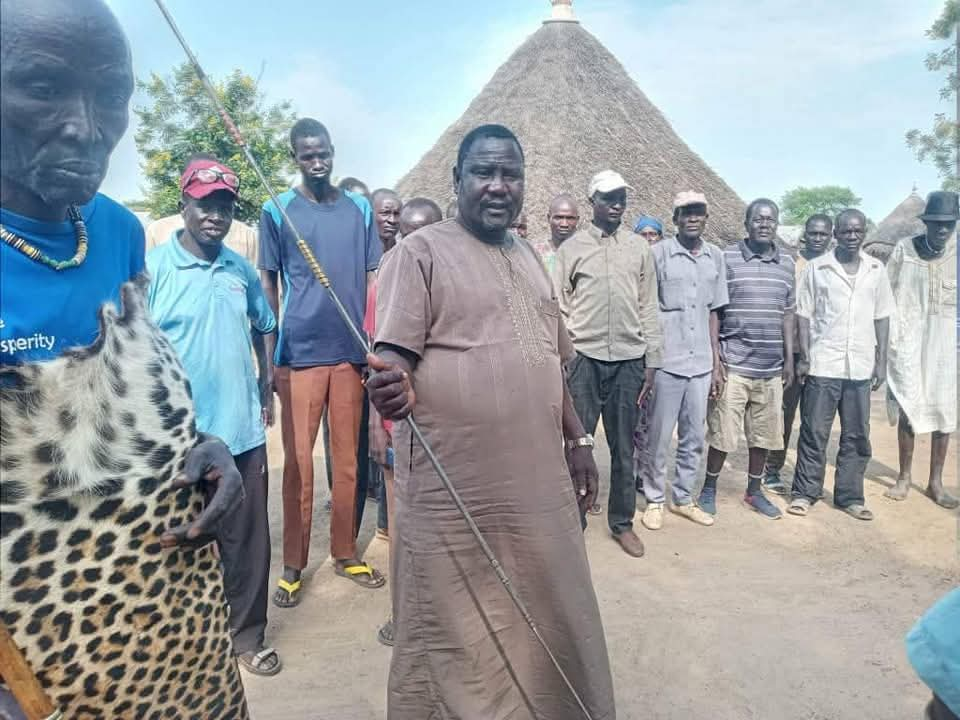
<point x="107" y="494"/>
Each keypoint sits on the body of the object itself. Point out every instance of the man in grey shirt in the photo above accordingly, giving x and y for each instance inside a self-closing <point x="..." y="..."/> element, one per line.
<point x="607" y="289"/>
<point x="692" y="286"/>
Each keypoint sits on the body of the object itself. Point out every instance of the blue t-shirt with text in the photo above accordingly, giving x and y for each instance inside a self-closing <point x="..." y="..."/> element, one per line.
<point x="343" y="237"/>
<point x="44" y="312"/>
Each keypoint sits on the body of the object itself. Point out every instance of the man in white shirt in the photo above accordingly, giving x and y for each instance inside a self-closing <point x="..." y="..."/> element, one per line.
<point x="844" y="305"/>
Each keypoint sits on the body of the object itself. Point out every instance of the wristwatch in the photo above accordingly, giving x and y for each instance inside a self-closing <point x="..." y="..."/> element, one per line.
<point x="585" y="441"/>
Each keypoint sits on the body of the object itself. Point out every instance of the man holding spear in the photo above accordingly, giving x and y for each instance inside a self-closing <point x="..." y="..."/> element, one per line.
<point x="467" y="318"/>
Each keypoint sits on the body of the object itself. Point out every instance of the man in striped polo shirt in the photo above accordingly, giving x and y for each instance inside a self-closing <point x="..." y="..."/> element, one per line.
<point x="756" y="351"/>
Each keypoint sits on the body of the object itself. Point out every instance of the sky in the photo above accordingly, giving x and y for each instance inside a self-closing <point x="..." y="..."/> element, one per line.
<point x="772" y="95"/>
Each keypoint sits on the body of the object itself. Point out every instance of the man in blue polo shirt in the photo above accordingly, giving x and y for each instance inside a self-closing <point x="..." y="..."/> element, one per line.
<point x="207" y="299"/>
<point x="318" y="360"/>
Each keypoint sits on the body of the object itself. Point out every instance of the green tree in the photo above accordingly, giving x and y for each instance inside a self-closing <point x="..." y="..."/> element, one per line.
<point x="180" y="120"/>
<point x="802" y="202"/>
<point x="941" y="145"/>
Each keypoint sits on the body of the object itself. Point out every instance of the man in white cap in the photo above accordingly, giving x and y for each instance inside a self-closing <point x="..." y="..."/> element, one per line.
<point x="606" y="285"/>
<point x="692" y="286"/>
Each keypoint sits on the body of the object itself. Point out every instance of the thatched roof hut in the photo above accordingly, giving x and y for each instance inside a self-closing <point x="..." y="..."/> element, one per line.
<point x="902" y="222"/>
<point x="608" y="123"/>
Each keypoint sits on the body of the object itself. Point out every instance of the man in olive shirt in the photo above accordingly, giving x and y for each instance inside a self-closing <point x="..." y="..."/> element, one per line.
<point x="606" y="284"/>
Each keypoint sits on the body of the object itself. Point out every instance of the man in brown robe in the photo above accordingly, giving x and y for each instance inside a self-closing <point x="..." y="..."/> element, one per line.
<point x="469" y="338"/>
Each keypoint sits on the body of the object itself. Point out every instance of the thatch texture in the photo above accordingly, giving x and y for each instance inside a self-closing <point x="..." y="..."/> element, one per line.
<point x="576" y="112"/>
<point x="902" y="222"/>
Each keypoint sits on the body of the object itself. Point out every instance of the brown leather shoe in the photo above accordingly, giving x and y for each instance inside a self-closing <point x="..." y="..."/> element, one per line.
<point x="631" y="544"/>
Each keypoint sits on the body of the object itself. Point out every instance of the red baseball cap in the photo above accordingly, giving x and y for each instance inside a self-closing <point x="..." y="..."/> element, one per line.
<point x="198" y="184"/>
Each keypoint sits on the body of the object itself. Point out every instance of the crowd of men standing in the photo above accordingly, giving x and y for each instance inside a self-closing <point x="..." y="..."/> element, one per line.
<point x="508" y="355"/>
<point x="659" y="334"/>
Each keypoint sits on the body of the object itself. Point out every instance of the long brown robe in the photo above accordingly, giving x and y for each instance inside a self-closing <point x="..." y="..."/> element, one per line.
<point x="486" y="326"/>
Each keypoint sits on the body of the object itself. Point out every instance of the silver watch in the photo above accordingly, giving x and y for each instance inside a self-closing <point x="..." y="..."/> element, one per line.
<point x="585" y="441"/>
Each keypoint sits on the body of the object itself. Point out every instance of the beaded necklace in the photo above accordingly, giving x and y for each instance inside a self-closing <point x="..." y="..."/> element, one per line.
<point x="34" y="253"/>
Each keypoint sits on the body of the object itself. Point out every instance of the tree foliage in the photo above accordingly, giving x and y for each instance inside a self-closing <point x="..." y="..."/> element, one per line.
<point x="802" y="202"/>
<point x="180" y="120"/>
<point x="941" y="145"/>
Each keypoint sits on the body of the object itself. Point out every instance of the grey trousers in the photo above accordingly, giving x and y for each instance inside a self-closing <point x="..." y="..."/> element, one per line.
<point x="610" y="390"/>
<point x="822" y="399"/>
<point x="244" y="541"/>
<point x="678" y="402"/>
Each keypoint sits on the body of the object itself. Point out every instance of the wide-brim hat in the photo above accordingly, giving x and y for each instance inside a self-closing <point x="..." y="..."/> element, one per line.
<point x="942" y="206"/>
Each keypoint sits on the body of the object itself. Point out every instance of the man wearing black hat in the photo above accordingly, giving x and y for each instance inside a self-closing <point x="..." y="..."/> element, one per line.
<point x="923" y="362"/>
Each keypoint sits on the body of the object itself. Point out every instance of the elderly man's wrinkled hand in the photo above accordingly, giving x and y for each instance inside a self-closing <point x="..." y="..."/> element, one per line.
<point x="209" y="465"/>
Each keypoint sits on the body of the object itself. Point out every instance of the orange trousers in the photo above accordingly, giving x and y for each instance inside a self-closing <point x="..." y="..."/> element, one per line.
<point x="304" y="393"/>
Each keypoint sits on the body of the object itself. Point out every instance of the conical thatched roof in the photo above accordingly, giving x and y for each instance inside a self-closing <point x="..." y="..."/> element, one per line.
<point x="902" y="222"/>
<point x="576" y="112"/>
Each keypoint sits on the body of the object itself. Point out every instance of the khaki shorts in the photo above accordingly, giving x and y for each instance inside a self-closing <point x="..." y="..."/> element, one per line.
<point x="751" y="404"/>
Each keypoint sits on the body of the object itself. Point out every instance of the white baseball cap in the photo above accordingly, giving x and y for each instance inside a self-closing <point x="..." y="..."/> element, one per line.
<point x="607" y="181"/>
<point x="689" y="197"/>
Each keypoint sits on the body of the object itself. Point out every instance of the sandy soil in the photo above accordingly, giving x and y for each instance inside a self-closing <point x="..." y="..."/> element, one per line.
<point x="799" y="619"/>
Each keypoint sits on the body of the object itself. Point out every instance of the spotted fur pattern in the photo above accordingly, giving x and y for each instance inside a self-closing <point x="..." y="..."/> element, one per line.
<point x="113" y="625"/>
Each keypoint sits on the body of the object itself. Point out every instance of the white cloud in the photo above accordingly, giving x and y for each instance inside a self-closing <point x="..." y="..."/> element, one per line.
<point x="754" y="51"/>
<point x="779" y="94"/>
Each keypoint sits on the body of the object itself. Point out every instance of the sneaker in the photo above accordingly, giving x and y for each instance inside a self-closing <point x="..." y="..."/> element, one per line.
<point x="774" y="484"/>
<point x="762" y="505"/>
<point x="691" y="512"/>
<point x="708" y="500"/>
<point x="653" y="516"/>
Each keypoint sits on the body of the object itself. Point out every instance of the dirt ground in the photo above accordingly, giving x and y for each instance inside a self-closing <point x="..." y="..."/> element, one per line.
<point x="798" y="619"/>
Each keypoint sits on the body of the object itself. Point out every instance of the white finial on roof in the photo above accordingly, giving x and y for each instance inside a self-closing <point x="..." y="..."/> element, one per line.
<point x="562" y="12"/>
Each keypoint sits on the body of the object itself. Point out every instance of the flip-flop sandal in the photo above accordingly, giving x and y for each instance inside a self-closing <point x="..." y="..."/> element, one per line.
<point x="858" y="511"/>
<point x="385" y="634"/>
<point x="293" y="594"/>
<point x="799" y="506"/>
<point x="254" y="662"/>
<point x="358" y="571"/>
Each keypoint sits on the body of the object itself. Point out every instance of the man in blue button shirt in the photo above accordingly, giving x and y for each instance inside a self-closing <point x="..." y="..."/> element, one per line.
<point x="207" y="299"/>
<point x="692" y="287"/>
